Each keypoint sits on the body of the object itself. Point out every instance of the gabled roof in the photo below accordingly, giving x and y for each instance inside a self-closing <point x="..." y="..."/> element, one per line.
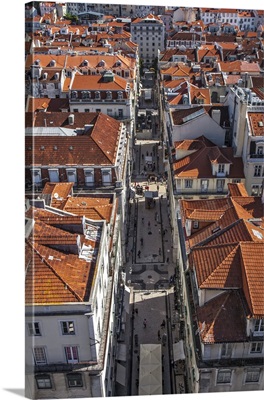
<point x="217" y="267"/>
<point x="55" y="273"/>
<point x="227" y="251"/>
<point x="222" y="319"/>
<point x="190" y="166"/>
<point x="252" y="259"/>
<point x="90" y="148"/>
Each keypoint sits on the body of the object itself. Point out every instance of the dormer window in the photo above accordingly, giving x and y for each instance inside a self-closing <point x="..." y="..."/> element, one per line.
<point x="74" y="95"/>
<point x="85" y="63"/>
<point x="86" y="95"/>
<point x="102" y="63"/>
<point x="109" y="95"/>
<point x="36" y="175"/>
<point x="120" y="95"/>
<point x="97" y="95"/>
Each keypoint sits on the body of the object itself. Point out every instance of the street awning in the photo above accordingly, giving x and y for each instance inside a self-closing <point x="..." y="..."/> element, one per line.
<point x="178" y="351"/>
<point x="150" y="370"/>
<point x="121" y="352"/>
<point x="121" y="374"/>
<point x="151" y="194"/>
<point x="126" y="298"/>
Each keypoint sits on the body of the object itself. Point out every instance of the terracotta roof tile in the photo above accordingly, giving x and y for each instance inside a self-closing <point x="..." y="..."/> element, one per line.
<point x="217" y="267"/>
<point x="191" y="167"/>
<point x="252" y="258"/>
<point x="222" y="319"/>
<point x="87" y="149"/>
<point x="237" y="189"/>
<point x="56" y="273"/>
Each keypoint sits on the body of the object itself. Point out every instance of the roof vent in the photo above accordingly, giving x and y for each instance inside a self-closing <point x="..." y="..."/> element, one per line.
<point x="42" y="147"/>
<point x="55" y="148"/>
<point x="71" y="148"/>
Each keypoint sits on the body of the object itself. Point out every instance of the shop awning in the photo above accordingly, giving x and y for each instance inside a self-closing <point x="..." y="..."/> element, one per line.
<point x="178" y="351"/>
<point x="121" y="374"/>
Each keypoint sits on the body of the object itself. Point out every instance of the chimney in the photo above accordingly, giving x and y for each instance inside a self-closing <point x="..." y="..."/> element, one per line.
<point x="216" y="115"/>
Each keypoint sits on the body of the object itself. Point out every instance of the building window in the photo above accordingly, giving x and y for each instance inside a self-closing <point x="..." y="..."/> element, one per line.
<point x="260" y="150"/>
<point x="71" y="353"/>
<point x="258" y="327"/>
<point x="40" y="355"/>
<point x="257" y="170"/>
<point x="255" y="189"/>
<point x="97" y="95"/>
<point x="252" y="375"/>
<point x="220" y="183"/>
<point x="204" y="185"/>
<point x="109" y="95"/>
<point x="89" y="176"/>
<point x="54" y="175"/>
<point x="224" y="376"/>
<point x="221" y="168"/>
<point x="120" y="95"/>
<point x="106" y="176"/>
<point x="256" y="347"/>
<point x="34" y="329"/>
<point x="43" y="381"/>
<point x="74" y="380"/>
<point x="85" y="95"/>
<point x="188" y="183"/>
<point x="195" y="224"/>
<point x="226" y="350"/>
<point x="74" y="95"/>
<point x="71" y="175"/>
<point x="67" y="328"/>
<point x="98" y="110"/>
<point x="36" y="176"/>
<point x="120" y="113"/>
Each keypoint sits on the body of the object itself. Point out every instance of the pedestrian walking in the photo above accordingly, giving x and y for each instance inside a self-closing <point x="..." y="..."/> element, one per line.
<point x="141" y="241"/>
<point x="136" y="310"/>
<point x="158" y="335"/>
<point x="142" y="219"/>
<point x="139" y="252"/>
<point x="168" y="259"/>
<point x="149" y="224"/>
<point x="145" y="323"/>
<point x="162" y="324"/>
<point x="157" y="187"/>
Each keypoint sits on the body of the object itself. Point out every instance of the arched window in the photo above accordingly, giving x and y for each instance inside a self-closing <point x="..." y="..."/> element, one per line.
<point x="120" y="95"/>
<point x="109" y="95"/>
<point x="74" y="95"/>
<point x="97" y="95"/>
